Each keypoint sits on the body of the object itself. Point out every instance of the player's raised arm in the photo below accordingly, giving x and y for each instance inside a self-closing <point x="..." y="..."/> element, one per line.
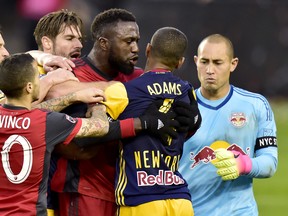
<point x="87" y="95"/>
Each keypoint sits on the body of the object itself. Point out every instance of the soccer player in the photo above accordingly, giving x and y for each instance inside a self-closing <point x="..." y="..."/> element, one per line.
<point x="236" y="141"/>
<point x="87" y="186"/>
<point x="60" y="33"/>
<point x="147" y="177"/>
<point x="28" y="136"/>
<point x="57" y="33"/>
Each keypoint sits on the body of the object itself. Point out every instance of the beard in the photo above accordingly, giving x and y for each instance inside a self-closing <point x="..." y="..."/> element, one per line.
<point x="119" y="65"/>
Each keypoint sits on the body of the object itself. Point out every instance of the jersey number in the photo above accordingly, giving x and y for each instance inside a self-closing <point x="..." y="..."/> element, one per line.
<point x="27" y="160"/>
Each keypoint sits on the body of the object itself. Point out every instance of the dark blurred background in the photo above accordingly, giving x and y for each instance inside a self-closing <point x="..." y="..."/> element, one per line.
<point x="257" y="28"/>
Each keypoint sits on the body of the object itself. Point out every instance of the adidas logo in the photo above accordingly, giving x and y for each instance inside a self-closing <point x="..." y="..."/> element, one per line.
<point x="160" y="124"/>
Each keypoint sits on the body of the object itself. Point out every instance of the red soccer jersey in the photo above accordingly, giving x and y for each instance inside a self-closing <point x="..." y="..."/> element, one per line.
<point x="93" y="177"/>
<point x="27" y="139"/>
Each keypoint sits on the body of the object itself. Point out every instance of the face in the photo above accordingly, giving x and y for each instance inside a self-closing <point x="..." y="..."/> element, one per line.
<point x="68" y="43"/>
<point x="124" y="48"/>
<point x="3" y="51"/>
<point x="214" y="66"/>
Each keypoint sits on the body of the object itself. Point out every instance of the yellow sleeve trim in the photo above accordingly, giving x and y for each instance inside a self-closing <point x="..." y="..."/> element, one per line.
<point x="41" y="70"/>
<point x="50" y="212"/>
<point x="116" y="99"/>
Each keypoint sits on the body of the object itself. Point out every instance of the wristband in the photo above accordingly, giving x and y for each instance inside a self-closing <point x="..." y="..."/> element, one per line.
<point x="127" y="128"/>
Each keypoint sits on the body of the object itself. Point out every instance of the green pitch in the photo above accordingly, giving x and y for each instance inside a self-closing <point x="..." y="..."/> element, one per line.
<point x="272" y="194"/>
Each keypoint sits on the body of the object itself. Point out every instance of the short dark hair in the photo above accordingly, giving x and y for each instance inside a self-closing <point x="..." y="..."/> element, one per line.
<point x="15" y="72"/>
<point x="107" y="18"/>
<point x="51" y="25"/>
<point x="169" y="45"/>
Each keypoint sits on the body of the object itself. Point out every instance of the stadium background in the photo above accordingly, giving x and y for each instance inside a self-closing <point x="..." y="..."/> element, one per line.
<point x="257" y="28"/>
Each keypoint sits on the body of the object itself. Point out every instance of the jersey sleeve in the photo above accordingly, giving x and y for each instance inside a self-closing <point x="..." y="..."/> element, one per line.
<point x="61" y="128"/>
<point x="116" y="99"/>
<point x="265" y="162"/>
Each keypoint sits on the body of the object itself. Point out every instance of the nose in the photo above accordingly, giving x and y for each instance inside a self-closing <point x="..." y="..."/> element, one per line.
<point x="135" y="47"/>
<point x="5" y="52"/>
<point x="210" y="69"/>
<point x="78" y="43"/>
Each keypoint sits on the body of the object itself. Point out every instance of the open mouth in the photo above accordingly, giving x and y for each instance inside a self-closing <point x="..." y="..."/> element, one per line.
<point x="75" y="55"/>
<point x="134" y="60"/>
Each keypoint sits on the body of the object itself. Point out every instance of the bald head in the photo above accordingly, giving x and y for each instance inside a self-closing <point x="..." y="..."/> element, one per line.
<point x="216" y="39"/>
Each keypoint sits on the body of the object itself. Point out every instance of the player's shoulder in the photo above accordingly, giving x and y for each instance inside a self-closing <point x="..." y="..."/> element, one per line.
<point x="249" y="96"/>
<point x="246" y="93"/>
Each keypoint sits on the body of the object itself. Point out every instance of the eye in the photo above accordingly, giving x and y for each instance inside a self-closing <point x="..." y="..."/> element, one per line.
<point x="203" y="61"/>
<point x="218" y="62"/>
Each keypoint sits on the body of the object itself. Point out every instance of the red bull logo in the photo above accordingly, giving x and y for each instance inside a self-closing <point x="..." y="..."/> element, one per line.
<point x="238" y="119"/>
<point x="207" y="155"/>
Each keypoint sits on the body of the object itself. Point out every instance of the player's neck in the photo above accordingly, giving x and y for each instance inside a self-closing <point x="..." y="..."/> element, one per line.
<point x="19" y="103"/>
<point x="215" y="94"/>
<point x="101" y="64"/>
<point x="157" y="66"/>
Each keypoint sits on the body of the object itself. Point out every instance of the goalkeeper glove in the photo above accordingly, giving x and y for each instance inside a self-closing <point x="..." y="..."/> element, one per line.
<point x="232" y="164"/>
<point x="159" y="124"/>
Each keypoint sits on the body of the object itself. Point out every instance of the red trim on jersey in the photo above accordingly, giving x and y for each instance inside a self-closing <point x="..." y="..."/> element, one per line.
<point x="74" y="132"/>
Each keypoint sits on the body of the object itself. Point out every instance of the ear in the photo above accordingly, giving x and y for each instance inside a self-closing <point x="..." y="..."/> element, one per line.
<point x="103" y="43"/>
<point x="29" y="87"/>
<point x="148" y="49"/>
<point x="180" y="62"/>
<point x="234" y="64"/>
<point x="195" y="59"/>
<point x="46" y="43"/>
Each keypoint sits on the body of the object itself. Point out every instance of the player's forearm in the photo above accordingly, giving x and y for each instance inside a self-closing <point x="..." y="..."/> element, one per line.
<point x="117" y="130"/>
<point x="59" y="103"/>
<point x="265" y="163"/>
<point x="96" y="125"/>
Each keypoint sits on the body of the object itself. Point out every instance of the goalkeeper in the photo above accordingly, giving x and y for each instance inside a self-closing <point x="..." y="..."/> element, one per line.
<point x="236" y="141"/>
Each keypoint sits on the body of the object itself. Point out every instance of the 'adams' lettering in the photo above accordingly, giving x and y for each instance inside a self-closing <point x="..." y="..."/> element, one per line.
<point x="165" y="88"/>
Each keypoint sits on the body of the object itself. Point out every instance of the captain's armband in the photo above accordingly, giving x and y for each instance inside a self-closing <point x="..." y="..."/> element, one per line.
<point x="264" y="142"/>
